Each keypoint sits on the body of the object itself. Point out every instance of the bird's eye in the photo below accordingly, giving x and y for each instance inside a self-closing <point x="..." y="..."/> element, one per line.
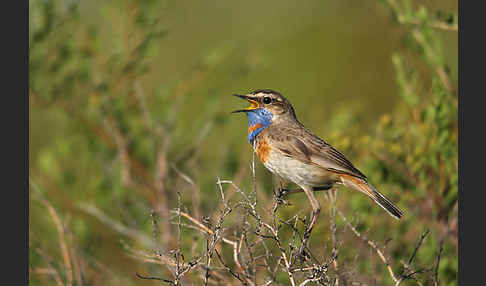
<point x="267" y="100"/>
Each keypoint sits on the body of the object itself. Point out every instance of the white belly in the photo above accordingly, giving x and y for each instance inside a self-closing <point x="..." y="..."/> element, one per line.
<point x="300" y="173"/>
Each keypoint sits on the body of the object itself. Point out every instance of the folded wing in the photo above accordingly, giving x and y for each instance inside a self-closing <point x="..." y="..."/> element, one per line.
<point x="314" y="150"/>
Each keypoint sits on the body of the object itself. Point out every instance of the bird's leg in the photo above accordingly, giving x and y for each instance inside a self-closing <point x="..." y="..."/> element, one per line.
<point x="285" y="192"/>
<point x="279" y="183"/>
<point x="316" y="209"/>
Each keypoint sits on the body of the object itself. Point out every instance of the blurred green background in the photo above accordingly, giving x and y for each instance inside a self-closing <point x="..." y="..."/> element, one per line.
<point x="127" y="95"/>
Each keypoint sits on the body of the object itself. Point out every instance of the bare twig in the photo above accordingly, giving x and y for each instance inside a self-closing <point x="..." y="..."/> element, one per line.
<point x="433" y="24"/>
<point x="436" y="274"/>
<point x="117" y="226"/>
<point x="370" y="243"/>
<point x="332" y="214"/>
<point x="282" y="252"/>
<point x="51" y="270"/>
<point x="60" y="231"/>
<point x="236" y="275"/>
<point x="155" y="278"/>
<point x="408" y="272"/>
<point x="74" y="254"/>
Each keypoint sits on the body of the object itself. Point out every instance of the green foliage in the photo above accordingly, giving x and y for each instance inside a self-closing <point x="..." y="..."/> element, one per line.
<point x="419" y="144"/>
<point x="107" y="134"/>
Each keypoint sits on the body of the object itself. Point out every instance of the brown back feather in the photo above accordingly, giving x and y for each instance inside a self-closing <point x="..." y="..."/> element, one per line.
<point x="296" y="141"/>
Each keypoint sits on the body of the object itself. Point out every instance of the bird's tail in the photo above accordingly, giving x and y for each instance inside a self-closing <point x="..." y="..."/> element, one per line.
<point x="367" y="189"/>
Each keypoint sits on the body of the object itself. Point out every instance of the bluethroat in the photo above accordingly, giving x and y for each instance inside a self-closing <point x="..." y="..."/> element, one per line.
<point x="293" y="153"/>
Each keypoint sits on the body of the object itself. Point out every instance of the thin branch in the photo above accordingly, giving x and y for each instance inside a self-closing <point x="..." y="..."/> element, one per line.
<point x="154" y="278"/>
<point x="53" y="272"/>
<point x="433" y="24"/>
<point x="419" y="244"/>
<point x="117" y="226"/>
<point x="436" y="274"/>
<point x="370" y="243"/>
<point x="236" y="275"/>
<point x="332" y="214"/>
<point x="407" y="272"/>
<point x="61" y="234"/>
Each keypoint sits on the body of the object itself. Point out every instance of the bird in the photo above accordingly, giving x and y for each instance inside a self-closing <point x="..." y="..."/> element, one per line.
<point x="293" y="153"/>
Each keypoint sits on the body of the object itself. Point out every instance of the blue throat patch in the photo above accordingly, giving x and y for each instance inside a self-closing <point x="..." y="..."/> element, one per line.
<point x="257" y="120"/>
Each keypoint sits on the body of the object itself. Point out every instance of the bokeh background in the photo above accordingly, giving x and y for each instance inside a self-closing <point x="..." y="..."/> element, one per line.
<point x="130" y="102"/>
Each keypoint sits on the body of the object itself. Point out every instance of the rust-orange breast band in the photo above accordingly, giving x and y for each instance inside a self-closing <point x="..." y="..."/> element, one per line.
<point x="252" y="128"/>
<point x="263" y="150"/>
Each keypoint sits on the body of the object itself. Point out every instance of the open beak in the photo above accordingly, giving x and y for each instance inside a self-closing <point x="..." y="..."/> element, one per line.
<point x="253" y="103"/>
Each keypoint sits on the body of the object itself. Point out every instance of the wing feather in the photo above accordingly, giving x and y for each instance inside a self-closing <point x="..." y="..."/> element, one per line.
<point x="323" y="154"/>
<point x="302" y="144"/>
